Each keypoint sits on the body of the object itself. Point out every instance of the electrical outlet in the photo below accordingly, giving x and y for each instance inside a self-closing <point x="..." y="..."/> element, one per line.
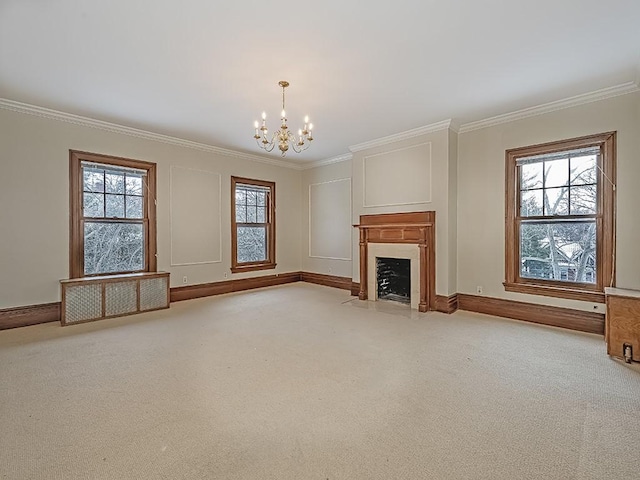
<point x="184" y="279"/>
<point x="225" y="274"/>
<point x="330" y="270"/>
<point x="479" y="289"/>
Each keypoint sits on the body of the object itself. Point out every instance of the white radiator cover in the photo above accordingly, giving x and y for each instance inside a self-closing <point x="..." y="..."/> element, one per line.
<point x="94" y="298"/>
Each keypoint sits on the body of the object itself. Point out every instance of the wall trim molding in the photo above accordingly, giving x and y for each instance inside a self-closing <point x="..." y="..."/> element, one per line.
<point x="229" y="286"/>
<point x="447" y="304"/>
<point x="321" y="163"/>
<point x="381" y="154"/>
<point x="349" y="179"/>
<point x="51" y="114"/>
<point x="190" y="292"/>
<point x="590" y="322"/>
<point x="343" y="283"/>
<point x="171" y="217"/>
<point x="584" y="98"/>
<point x="583" y="321"/>
<point x="415" y="132"/>
<point x="29" y="315"/>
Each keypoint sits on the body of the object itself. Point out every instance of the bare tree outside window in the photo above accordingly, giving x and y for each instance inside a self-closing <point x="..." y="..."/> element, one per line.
<point x="562" y="249"/>
<point x="113" y="226"/>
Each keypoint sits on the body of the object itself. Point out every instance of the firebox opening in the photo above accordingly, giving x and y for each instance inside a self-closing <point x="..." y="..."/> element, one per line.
<point x="394" y="279"/>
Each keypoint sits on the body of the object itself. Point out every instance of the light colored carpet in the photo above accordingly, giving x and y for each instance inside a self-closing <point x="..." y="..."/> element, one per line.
<point x="300" y="382"/>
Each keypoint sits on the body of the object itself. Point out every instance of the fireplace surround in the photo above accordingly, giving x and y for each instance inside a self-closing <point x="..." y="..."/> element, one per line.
<point x="396" y="229"/>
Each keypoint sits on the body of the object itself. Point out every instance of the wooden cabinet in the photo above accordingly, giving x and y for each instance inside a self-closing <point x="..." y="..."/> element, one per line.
<point x="622" y="324"/>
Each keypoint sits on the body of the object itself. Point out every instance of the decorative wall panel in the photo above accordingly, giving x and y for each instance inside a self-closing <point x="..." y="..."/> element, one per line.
<point x="195" y="216"/>
<point x="330" y="226"/>
<point x="398" y="177"/>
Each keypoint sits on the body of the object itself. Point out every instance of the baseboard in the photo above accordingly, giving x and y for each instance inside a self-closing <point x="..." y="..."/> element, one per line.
<point x="228" y="286"/>
<point x="582" y="321"/>
<point x="590" y="322"/>
<point x="343" y="283"/>
<point x="446" y="304"/>
<point x="29" y="315"/>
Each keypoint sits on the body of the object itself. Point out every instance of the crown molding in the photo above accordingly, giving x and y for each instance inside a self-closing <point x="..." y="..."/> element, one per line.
<point x="434" y="127"/>
<point x="135" y="132"/>
<point x="337" y="159"/>
<point x="454" y="126"/>
<point x="602" y="94"/>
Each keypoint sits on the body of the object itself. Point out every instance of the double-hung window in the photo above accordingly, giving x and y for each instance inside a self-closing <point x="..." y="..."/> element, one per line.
<point x="112" y="215"/>
<point x="560" y="218"/>
<point x="252" y="224"/>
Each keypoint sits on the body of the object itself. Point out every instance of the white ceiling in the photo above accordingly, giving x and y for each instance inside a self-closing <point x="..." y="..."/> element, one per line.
<point x="204" y="70"/>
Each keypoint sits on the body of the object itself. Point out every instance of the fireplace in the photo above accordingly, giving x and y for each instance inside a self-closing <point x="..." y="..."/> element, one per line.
<point x="409" y="236"/>
<point x="393" y="278"/>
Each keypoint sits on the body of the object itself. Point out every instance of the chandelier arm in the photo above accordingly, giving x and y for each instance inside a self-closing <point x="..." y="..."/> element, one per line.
<point x="268" y="147"/>
<point x="274" y="135"/>
<point x="269" y="144"/>
<point x="299" y="148"/>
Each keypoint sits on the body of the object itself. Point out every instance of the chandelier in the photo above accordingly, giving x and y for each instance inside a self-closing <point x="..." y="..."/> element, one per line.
<point x="283" y="137"/>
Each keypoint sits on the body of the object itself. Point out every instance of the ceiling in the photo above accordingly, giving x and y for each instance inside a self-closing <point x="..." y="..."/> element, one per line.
<point x="204" y="70"/>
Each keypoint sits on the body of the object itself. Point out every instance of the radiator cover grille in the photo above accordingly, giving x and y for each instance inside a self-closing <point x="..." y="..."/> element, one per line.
<point x="153" y="293"/>
<point x="83" y="302"/>
<point x="94" y="298"/>
<point x="120" y="298"/>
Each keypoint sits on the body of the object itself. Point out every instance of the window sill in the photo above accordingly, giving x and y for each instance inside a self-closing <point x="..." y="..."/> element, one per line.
<point x="549" y="291"/>
<point x="114" y="277"/>
<point x="252" y="267"/>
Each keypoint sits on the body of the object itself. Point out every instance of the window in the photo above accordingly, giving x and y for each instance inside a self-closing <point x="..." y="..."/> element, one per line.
<point x="560" y="218"/>
<point x="253" y="241"/>
<point x="113" y="227"/>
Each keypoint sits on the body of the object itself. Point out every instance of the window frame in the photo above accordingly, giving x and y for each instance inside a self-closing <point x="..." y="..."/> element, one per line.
<point x="270" y="225"/>
<point x="604" y="220"/>
<point x="76" y="211"/>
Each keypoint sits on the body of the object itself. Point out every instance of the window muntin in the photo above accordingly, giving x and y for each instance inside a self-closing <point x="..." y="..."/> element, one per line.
<point x="253" y="228"/>
<point x="560" y="218"/>
<point x="112" y="215"/>
<point x="559" y="184"/>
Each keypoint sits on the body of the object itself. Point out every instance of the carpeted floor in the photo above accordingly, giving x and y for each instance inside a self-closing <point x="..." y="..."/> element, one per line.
<point x="303" y="382"/>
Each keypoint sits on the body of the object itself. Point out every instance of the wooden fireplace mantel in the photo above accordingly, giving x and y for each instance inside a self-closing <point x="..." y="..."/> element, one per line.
<point x="414" y="227"/>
